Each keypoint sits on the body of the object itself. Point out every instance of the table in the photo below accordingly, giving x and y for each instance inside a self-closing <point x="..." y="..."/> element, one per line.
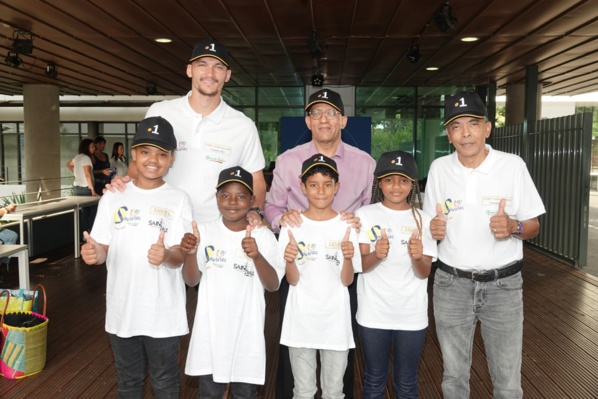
<point x="22" y="253"/>
<point x="48" y="208"/>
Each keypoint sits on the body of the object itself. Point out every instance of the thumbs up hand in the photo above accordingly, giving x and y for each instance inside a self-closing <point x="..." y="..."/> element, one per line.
<point x="190" y="241"/>
<point x="382" y="246"/>
<point x="157" y="252"/>
<point x="438" y="224"/>
<point x="90" y="251"/>
<point x="347" y="246"/>
<point x="291" y="250"/>
<point x="415" y="246"/>
<point x="249" y="245"/>
<point x="499" y="223"/>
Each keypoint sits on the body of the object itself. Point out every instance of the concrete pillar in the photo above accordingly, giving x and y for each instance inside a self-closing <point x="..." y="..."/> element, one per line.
<point x="93" y="130"/>
<point x="41" y="111"/>
<point x="515" y="104"/>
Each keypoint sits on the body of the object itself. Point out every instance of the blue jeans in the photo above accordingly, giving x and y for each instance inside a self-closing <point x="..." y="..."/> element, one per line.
<point x="208" y="389"/>
<point x="87" y="214"/>
<point x="133" y="355"/>
<point x="458" y="305"/>
<point x="8" y="237"/>
<point x="406" y="352"/>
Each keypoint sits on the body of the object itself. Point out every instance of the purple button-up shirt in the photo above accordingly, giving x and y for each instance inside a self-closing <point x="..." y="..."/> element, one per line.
<point x="356" y="173"/>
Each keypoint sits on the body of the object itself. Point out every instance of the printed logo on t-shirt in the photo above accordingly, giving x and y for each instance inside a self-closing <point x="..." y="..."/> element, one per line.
<point x="215" y="257"/>
<point x="158" y="223"/>
<point x="182" y="146"/>
<point x="164" y="212"/>
<point x="490" y="204"/>
<point x="217" y="152"/>
<point x="306" y="252"/>
<point x="375" y="233"/>
<point x="331" y="244"/>
<point x="449" y="206"/>
<point x="124" y="217"/>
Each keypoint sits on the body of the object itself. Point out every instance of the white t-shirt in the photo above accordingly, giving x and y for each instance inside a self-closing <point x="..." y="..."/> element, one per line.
<point x="206" y="146"/>
<point x="120" y="166"/>
<point x="469" y="197"/>
<point x="228" y="332"/>
<point x="390" y="296"/>
<point x="317" y="313"/>
<point x="143" y="299"/>
<point x="79" y="162"/>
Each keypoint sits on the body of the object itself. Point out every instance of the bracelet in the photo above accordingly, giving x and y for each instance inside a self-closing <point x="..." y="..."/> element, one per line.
<point x="519" y="228"/>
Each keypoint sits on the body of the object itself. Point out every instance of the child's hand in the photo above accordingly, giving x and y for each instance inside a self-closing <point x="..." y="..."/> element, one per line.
<point x="291" y="251"/>
<point x="89" y="250"/>
<point x="382" y="246"/>
<point x="157" y="251"/>
<point x="249" y="245"/>
<point x="190" y="241"/>
<point x="415" y="247"/>
<point x="347" y="246"/>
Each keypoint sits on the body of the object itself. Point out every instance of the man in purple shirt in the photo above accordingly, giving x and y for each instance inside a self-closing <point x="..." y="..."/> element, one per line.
<point x="325" y="118"/>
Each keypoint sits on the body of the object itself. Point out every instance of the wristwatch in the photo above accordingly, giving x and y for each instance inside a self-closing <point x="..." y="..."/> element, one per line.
<point x="258" y="210"/>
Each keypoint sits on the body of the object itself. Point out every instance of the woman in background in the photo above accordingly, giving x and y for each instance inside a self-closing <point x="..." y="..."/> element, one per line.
<point x="101" y="165"/>
<point x="118" y="161"/>
<point x="81" y="165"/>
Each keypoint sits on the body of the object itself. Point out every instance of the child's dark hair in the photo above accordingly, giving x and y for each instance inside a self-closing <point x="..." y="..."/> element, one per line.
<point x="322" y="169"/>
<point x="378" y="196"/>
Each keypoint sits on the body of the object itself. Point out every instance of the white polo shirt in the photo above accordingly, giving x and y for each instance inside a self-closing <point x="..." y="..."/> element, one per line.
<point x="206" y="146"/>
<point x="469" y="197"/>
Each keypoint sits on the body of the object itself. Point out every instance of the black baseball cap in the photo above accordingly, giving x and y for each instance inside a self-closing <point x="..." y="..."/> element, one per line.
<point x="210" y="48"/>
<point x="326" y="96"/>
<point x="315" y="160"/>
<point x="396" y="163"/>
<point x="155" y="131"/>
<point x="236" y="174"/>
<point x="465" y="103"/>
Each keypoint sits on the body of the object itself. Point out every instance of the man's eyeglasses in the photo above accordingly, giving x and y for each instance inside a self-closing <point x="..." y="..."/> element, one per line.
<point x="317" y="114"/>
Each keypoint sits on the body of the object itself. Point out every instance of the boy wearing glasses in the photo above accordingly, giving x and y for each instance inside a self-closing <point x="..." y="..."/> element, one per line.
<point x="325" y="117"/>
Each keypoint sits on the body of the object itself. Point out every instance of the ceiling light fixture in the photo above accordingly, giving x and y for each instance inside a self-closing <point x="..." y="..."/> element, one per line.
<point x="151" y="89"/>
<point x="470" y="39"/>
<point x="413" y="54"/>
<point x="163" y="40"/>
<point x="445" y="20"/>
<point x="431" y="68"/>
<point x="12" y="59"/>
<point x="317" y="79"/>
<point x="51" y="71"/>
<point x="22" y="42"/>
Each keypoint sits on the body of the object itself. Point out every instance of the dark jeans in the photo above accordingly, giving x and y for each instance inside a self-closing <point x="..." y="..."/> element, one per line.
<point x="87" y="214"/>
<point x="406" y="353"/>
<point x="208" y="389"/>
<point x="284" y="378"/>
<point x="132" y="356"/>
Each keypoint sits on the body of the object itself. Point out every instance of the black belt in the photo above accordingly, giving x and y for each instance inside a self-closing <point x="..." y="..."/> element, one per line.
<point x="485" y="275"/>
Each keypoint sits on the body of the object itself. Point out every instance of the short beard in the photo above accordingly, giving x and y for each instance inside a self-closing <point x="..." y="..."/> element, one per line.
<point x="208" y="94"/>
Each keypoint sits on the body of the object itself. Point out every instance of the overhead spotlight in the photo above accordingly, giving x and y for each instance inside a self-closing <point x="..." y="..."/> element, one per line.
<point x="445" y="20"/>
<point x="12" y="59"/>
<point x="317" y="79"/>
<point x="413" y="54"/>
<point x="313" y="45"/>
<point x="51" y="71"/>
<point x="22" y="42"/>
<point x="151" y="89"/>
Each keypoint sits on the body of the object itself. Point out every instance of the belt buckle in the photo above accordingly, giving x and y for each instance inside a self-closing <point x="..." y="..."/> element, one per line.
<point x="480" y="273"/>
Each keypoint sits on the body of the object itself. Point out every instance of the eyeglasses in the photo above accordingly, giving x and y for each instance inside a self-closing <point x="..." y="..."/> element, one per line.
<point x="317" y="113"/>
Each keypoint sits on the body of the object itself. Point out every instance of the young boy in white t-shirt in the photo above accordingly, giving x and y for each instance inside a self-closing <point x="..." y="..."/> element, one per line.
<point x="137" y="232"/>
<point x="235" y="265"/>
<point x="321" y="257"/>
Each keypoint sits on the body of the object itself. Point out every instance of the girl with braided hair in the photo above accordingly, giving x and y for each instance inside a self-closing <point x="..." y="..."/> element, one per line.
<point x="397" y="251"/>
